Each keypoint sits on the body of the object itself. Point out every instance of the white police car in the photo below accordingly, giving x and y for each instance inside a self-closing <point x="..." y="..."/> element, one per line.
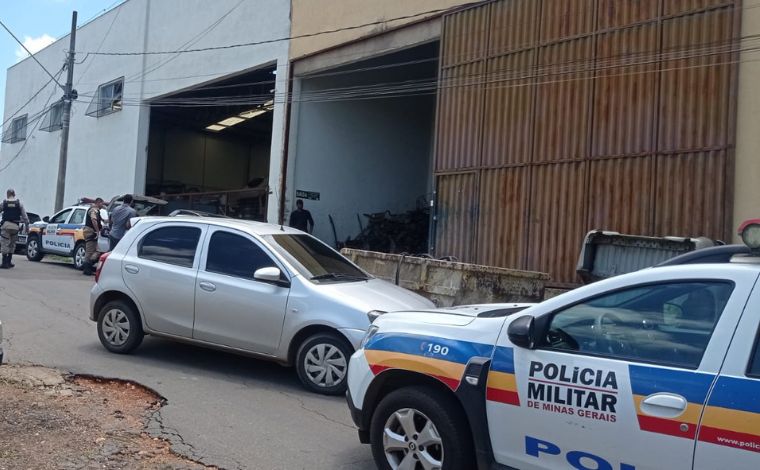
<point x="658" y="369"/>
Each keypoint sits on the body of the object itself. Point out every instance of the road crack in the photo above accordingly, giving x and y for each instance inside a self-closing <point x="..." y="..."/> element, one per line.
<point x="312" y="411"/>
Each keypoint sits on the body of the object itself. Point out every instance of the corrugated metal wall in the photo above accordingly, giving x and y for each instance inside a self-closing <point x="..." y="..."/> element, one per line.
<point x="557" y="117"/>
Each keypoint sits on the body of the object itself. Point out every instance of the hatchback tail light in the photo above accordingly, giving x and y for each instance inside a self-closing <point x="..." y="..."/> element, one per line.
<point x="102" y="263"/>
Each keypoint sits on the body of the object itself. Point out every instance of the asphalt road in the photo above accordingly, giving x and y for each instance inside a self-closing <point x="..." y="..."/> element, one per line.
<point x="222" y="409"/>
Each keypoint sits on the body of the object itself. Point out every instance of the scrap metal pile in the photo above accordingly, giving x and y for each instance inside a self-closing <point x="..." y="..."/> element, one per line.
<point x="393" y="233"/>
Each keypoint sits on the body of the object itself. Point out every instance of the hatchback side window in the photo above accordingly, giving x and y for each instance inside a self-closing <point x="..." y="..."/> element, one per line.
<point x="171" y="245"/>
<point x="234" y="255"/>
<point x="667" y="324"/>
<point x="78" y="217"/>
<point x="60" y="218"/>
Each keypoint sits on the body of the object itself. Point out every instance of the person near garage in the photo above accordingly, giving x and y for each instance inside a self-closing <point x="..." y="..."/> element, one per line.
<point x="93" y="225"/>
<point x="13" y="214"/>
<point x="119" y="220"/>
<point x="301" y="218"/>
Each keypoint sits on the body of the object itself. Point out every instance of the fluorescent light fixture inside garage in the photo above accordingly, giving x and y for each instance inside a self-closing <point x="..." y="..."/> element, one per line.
<point x="215" y="127"/>
<point x="252" y="113"/>
<point x="231" y="121"/>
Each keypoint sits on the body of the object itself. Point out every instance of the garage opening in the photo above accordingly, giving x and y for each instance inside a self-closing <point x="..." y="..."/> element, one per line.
<point x="209" y="147"/>
<point x="363" y="150"/>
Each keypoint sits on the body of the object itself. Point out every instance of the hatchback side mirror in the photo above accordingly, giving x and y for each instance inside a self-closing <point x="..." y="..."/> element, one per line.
<point x="271" y="275"/>
<point x="46" y="219"/>
<point x="521" y="332"/>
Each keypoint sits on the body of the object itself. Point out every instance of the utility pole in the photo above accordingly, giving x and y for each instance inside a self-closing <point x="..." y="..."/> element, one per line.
<point x="69" y="94"/>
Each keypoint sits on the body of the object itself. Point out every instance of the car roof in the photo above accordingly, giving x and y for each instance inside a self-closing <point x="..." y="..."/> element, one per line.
<point x="250" y="226"/>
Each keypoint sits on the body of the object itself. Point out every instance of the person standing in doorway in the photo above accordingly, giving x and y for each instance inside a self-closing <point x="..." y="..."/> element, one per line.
<point x="120" y="220"/>
<point x="13" y="215"/>
<point x="93" y="225"/>
<point x="301" y="218"/>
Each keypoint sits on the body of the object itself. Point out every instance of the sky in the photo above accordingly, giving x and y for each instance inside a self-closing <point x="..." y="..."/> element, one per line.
<point x="38" y="23"/>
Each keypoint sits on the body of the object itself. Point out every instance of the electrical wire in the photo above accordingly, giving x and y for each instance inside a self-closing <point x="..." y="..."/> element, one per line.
<point x="37" y="119"/>
<point x="191" y="42"/>
<point x="100" y="46"/>
<point x="30" y="54"/>
<point x="270" y="41"/>
<point x="426" y="85"/>
<point x="30" y="99"/>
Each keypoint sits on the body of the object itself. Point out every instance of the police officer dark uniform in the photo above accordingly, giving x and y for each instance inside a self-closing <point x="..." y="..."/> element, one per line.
<point x="93" y="224"/>
<point x="13" y="215"/>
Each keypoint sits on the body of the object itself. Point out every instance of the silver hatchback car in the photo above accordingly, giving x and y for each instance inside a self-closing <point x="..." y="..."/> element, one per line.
<point x="258" y="289"/>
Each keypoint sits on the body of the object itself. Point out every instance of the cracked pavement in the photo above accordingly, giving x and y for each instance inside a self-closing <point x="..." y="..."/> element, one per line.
<point x="221" y="409"/>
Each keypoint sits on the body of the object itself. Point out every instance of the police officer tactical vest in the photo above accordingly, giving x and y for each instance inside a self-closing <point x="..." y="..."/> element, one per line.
<point x="11" y="211"/>
<point x="88" y="219"/>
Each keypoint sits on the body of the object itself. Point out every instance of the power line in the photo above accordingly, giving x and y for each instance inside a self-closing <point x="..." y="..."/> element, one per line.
<point x="30" y="54"/>
<point x="38" y="118"/>
<point x="194" y="40"/>
<point x="591" y="65"/>
<point x="105" y="36"/>
<point x="270" y="41"/>
<point x="30" y="100"/>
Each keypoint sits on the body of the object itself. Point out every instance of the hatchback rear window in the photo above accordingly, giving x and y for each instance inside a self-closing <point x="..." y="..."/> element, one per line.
<point x="171" y="245"/>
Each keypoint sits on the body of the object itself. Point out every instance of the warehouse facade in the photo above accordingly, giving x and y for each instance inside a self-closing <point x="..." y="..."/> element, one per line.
<point x="203" y="129"/>
<point x="550" y="119"/>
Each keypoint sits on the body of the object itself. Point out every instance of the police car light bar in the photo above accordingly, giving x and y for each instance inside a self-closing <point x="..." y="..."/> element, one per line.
<point x="750" y="233"/>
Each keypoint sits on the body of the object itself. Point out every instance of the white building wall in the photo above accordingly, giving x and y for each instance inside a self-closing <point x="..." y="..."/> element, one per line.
<point x="108" y="155"/>
<point x="362" y="157"/>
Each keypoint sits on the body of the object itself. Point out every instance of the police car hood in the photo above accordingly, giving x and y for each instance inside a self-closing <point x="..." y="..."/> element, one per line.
<point x="457" y="316"/>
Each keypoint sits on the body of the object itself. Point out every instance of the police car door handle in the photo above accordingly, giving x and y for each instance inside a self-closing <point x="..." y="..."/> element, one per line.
<point x="131" y="269"/>
<point x="664" y="405"/>
<point x="207" y="286"/>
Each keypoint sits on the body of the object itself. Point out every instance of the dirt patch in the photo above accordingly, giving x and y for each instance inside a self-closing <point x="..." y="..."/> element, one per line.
<point x="48" y="420"/>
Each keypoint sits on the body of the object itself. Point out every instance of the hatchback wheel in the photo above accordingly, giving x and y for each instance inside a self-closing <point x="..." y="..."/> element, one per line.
<point x="420" y="428"/>
<point x="119" y="327"/>
<point x="322" y="363"/>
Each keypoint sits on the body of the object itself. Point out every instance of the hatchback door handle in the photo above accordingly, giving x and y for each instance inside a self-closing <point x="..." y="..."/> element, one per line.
<point x="131" y="268"/>
<point x="664" y="405"/>
<point x="207" y="286"/>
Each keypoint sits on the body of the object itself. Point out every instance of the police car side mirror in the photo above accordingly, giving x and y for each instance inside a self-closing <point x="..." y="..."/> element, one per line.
<point x="46" y="219"/>
<point x="521" y="332"/>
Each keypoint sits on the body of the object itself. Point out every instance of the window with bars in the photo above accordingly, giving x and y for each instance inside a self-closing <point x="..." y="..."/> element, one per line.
<point x="108" y="99"/>
<point x="17" y="130"/>
<point x="53" y="120"/>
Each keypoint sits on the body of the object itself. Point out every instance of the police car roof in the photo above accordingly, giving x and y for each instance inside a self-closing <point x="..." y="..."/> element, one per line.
<point x="250" y="226"/>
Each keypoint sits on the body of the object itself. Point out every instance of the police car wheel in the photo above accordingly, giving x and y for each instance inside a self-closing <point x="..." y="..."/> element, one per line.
<point x="322" y="363"/>
<point x="33" y="249"/>
<point x="420" y="428"/>
<point x="80" y="254"/>
<point x="119" y="327"/>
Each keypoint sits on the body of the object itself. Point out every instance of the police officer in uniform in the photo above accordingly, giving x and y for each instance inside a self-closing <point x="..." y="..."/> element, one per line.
<point x="93" y="224"/>
<point x="13" y="215"/>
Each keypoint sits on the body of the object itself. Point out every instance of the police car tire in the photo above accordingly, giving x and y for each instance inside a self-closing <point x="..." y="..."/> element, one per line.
<point x="331" y="339"/>
<point x="136" y="333"/>
<point x="440" y="408"/>
<point x="39" y="254"/>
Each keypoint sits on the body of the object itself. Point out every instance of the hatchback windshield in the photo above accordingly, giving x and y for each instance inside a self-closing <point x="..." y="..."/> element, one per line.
<point x="315" y="260"/>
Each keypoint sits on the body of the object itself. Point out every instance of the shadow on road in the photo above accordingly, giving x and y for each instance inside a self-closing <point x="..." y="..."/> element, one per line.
<point x="178" y="358"/>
